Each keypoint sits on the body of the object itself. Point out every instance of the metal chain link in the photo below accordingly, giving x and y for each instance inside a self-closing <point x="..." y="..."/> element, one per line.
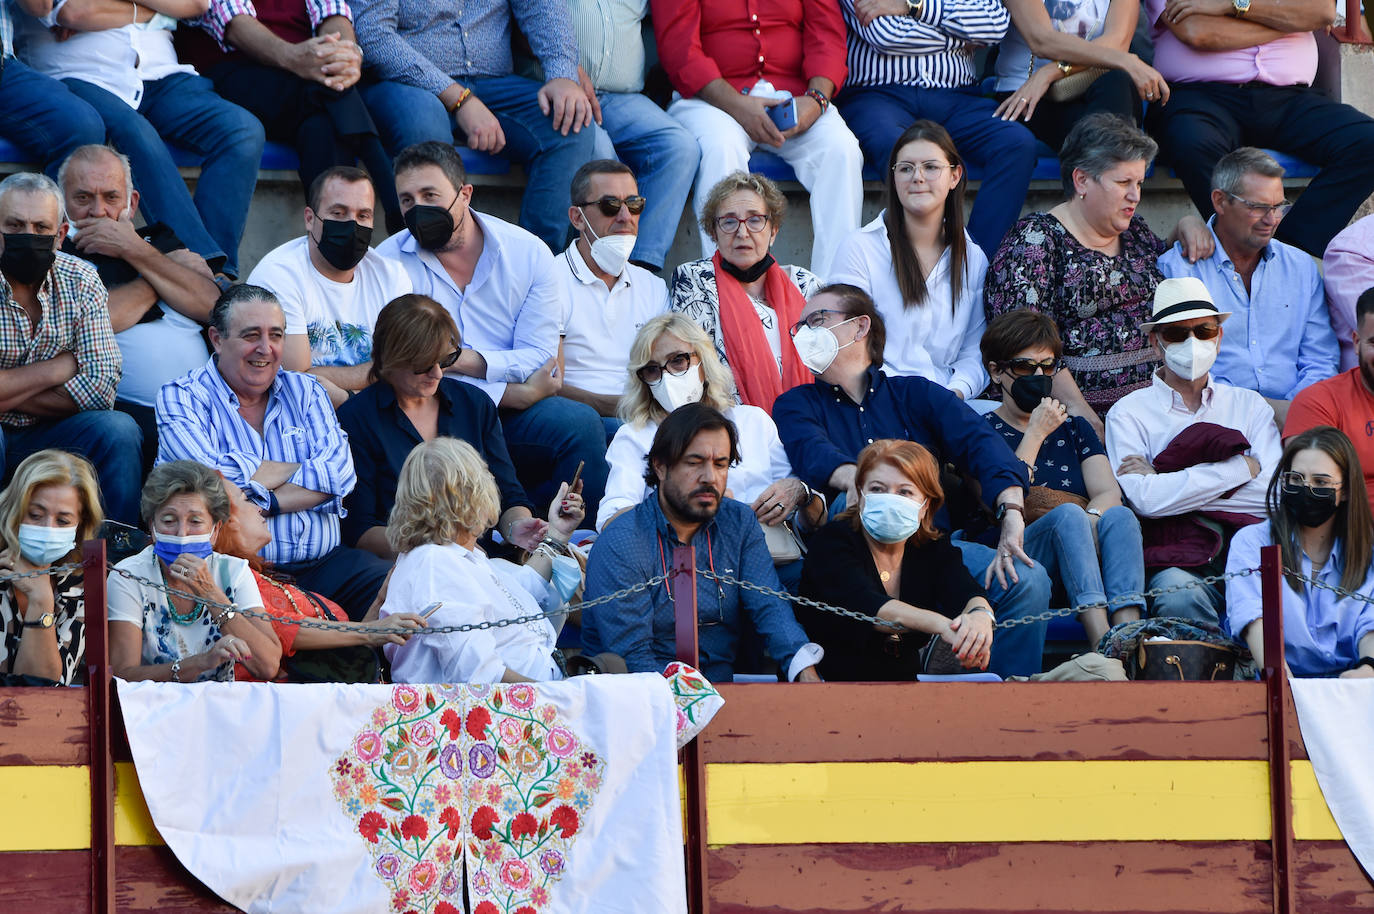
<point x="42" y="572"/>
<point x="1130" y="599"/>
<point x="1340" y="591"/>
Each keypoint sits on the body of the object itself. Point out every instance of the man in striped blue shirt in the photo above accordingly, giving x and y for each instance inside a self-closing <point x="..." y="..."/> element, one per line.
<point x="273" y="434"/>
<point x="913" y="59"/>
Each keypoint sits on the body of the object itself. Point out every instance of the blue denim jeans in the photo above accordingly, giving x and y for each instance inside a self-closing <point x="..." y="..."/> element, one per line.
<point x="548" y="440"/>
<point x="110" y="440"/>
<point x="406" y="115"/>
<point x="1194" y="601"/>
<point x="1016" y="651"/>
<point x="1091" y="574"/>
<point x="43" y="118"/>
<point x="664" y="158"/>
<point x="184" y="110"/>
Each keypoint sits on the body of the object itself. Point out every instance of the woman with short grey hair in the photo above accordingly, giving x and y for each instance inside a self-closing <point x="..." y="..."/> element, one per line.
<point x="1089" y="263"/>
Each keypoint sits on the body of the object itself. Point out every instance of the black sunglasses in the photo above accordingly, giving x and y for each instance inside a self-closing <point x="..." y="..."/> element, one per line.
<point x="610" y="206"/>
<point x="675" y="364"/>
<point x="444" y="364"/>
<point x="1173" y="333"/>
<point x="1024" y="368"/>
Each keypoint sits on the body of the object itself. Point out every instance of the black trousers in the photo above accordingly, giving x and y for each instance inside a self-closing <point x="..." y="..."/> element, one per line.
<point x="350" y="577"/>
<point x="298" y="112"/>
<point x="1204" y="121"/>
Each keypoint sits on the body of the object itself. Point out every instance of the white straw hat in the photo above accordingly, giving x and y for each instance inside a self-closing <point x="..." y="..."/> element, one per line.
<point x="1182" y="299"/>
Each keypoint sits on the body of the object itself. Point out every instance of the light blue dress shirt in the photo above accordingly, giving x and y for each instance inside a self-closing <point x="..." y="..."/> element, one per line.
<point x="1278" y="338"/>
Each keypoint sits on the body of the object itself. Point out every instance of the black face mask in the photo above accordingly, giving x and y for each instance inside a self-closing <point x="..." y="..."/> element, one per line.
<point x="1027" y="392"/>
<point x="432" y="226"/>
<point x="27" y="258"/>
<point x="1306" y="508"/>
<point x="750" y="274"/>
<point x="343" y="244"/>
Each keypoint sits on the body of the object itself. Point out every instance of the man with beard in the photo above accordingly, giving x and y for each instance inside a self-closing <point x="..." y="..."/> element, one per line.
<point x="331" y="285"/>
<point x="1347" y="400"/>
<point x="688" y="464"/>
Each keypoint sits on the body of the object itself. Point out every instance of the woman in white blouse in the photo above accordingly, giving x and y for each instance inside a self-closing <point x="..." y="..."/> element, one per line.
<point x="922" y="269"/>
<point x="446" y="499"/>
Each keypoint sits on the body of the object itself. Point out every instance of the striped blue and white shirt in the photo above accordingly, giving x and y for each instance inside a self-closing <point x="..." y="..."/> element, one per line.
<point x="932" y="52"/>
<point x="198" y="419"/>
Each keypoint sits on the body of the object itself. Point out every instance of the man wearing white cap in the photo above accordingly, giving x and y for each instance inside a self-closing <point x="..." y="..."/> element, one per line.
<point x="1210" y="479"/>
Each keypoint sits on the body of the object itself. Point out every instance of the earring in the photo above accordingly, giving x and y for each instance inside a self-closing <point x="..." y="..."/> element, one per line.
<point x="1082" y="196"/>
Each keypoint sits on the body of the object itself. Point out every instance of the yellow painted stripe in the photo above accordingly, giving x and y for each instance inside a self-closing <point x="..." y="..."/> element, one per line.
<point x="927" y="802"/>
<point x="46" y="807"/>
<point x="133" y="824"/>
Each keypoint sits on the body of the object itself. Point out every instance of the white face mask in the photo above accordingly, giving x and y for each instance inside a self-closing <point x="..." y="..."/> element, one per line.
<point x="611" y="252"/>
<point x="674" y="390"/>
<point x="818" y="346"/>
<point x="1192" y="358"/>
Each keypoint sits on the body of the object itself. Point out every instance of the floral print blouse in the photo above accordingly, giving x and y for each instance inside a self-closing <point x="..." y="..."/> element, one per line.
<point x="1097" y="301"/>
<point x="69" y="611"/>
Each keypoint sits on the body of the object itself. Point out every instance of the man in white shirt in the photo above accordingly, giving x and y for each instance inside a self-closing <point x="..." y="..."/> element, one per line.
<point x="608" y="298"/>
<point x="331" y="285"/>
<point x="501" y="286"/>
<point x="1185" y="329"/>
<point x="130" y="75"/>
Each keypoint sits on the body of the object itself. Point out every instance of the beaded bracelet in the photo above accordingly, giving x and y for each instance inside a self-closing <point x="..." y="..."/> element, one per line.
<point x="819" y="97"/>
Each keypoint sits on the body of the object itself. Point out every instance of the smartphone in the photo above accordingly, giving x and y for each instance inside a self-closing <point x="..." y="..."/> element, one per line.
<point x="577" y="474"/>
<point x="785" y="115"/>
<point x="430" y="610"/>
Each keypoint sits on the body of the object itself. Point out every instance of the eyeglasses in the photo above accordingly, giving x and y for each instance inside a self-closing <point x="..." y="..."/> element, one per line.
<point x="730" y="224"/>
<point x="817" y="319"/>
<point x="444" y="364"/>
<point x="1321" y="486"/>
<point x="1024" y="368"/>
<point x="1174" y="333"/>
<point x="929" y="170"/>
<point x="1260" y="210"/>
<point x="610" y="206"/>
<point x="676" y="364"/>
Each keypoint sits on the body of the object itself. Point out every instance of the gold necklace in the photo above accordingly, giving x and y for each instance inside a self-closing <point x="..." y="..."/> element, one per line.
<point x="884" y="576"/>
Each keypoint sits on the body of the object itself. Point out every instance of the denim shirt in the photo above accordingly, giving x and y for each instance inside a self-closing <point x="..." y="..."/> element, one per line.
<point x="638" y="545"/>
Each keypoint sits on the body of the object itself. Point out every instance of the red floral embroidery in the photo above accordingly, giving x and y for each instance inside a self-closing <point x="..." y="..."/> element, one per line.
<point x="451" y="818"/>
<point x="370" y="824"/>
<point x="565" y="817"/>
<point x="486" y="907"/>
<point x="478" y="720"/>
<point x="526" y="910"/>
<point x="444" y="907"/>
<point x="451" y="719"/>
<point x="417" y="827"/>
<point x="482" y="821"/>
<point x="523" y="824"/>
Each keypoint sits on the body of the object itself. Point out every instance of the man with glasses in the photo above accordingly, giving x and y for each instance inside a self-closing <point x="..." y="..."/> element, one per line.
<point x="608" y="297"/>
<point x="1193" y="455"/>
<point x="502" y="287"/>
<point x="1242" y="72"/>
<point x="1281" y="337"/>
<point x="332" y="285"/>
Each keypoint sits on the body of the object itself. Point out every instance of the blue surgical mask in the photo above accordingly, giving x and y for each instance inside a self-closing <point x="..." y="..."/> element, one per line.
<point x="890" y="518"/>
<point x="567" y="576"/>
<point x="168" y="547"/>
<point x="40" y="545"/>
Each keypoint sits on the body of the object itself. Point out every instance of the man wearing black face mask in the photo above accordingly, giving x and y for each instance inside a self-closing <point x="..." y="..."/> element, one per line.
<point x="331" y="285"/>
<point x="60" y="362"/>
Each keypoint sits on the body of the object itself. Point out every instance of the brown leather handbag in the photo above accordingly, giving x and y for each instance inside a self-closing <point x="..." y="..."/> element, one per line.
<point x="1182" y="661"/>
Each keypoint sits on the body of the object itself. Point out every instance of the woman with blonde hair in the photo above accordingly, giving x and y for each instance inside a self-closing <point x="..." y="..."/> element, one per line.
<point x="446" y="499"/>
<point x="51" y="506"/>
<point x="672" y="363"/>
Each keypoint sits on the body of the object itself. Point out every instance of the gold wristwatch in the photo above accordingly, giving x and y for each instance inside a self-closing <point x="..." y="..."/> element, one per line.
<point x="1064" y="67"/>
<point x="1241" y="8"/>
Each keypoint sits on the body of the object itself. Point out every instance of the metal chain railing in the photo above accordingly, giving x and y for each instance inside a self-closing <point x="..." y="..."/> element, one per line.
<point x="1336" y="589"/>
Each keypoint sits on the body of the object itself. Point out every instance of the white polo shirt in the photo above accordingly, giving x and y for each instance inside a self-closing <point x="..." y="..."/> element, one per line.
<point x="599" y="325"/>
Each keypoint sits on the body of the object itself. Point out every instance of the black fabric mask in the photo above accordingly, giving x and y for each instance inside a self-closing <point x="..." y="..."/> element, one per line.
<point x="1027" y="392"/>
<point x="750" y="274"/>
<point x="343" y="244"/>
<point x="1306" y="508"/>
<point x="432" y="226"/>
<point x="27" y="258"/>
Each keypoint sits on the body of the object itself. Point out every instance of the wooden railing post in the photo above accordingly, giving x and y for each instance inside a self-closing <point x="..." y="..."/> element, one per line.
<point x="98" y="694"/>
<point x="1276" y="690"/>
<point x="1354" y="30"/>
<point x="682" y="579"/>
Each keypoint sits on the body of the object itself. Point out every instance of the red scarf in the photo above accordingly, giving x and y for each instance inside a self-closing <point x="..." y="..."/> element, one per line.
<point x="746" y="345"/>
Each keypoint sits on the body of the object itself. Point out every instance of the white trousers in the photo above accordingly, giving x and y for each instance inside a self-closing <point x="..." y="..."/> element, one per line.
<point x="826" y="158"/>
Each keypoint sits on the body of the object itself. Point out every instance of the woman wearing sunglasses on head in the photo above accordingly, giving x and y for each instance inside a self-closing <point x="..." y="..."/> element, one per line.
<point x="921" y="267"/>
<point x="1076" y="526"/>
<point x="742" y="297"/>
<point x="1319" y="518"/>
<point x="411" y="401"/>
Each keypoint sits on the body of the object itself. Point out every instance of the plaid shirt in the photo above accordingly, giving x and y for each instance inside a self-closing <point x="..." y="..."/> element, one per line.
<point x="75" y="319"/>
<point x="216" y="19"/>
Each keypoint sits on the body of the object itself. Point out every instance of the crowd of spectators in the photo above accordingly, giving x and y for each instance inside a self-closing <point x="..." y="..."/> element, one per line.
<point x="947" y="425"/>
